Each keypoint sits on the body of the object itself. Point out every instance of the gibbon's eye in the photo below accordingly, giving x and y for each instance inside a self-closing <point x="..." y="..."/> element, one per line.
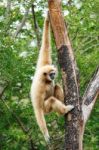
<point x="52" y="75"/>
<point x="45" y="73"/>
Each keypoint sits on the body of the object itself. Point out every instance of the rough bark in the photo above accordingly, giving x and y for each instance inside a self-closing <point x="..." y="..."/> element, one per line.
<point x="67" y="65"/>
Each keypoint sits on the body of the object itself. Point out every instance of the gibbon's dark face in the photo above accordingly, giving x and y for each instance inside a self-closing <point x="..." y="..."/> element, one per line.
<point x="50" y="76"/>
<point x="48" y="73"/>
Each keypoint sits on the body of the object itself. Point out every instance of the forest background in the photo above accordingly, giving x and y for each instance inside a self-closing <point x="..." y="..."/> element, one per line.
<point x="21" y="24"/>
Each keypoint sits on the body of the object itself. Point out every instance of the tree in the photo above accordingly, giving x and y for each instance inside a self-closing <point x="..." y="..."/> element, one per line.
<point x="76" y="120"/>
<point x="21" y="24"/>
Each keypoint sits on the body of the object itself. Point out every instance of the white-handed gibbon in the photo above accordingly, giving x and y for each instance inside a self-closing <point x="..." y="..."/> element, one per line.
<point x="45" y="95"/>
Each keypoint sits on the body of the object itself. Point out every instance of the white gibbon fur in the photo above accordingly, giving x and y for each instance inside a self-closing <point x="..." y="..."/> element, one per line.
<point x="45" y="95"/>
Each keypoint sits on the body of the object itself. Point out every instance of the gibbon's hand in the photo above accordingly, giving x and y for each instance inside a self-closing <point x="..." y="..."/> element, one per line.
<point x="47" y="138"/>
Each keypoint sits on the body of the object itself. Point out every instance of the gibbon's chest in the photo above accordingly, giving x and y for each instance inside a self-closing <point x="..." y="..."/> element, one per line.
<point x="49" y="91"/>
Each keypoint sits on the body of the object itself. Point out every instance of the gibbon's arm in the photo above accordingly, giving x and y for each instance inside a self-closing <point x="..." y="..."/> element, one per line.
<point x="39" y="113"/>
<point x="45" y="51"/>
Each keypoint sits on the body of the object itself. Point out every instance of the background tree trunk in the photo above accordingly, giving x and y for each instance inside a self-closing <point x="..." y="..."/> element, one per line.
<point x="75" y="120"/>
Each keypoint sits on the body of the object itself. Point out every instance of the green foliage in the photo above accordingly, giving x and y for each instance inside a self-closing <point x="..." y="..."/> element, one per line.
<point x="17" y="65"/>
<point x="91" y="137"/>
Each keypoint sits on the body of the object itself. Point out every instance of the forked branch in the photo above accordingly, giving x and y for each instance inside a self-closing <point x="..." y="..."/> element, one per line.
<point x="21" y="24"/>
<point x="90" y="95"/>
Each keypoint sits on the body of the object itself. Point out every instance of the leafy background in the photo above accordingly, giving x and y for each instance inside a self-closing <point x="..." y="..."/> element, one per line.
<point x="18" y="56"/>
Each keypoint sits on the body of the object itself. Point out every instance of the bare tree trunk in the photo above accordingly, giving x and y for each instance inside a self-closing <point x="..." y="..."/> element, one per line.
<point x="76" y="119"/>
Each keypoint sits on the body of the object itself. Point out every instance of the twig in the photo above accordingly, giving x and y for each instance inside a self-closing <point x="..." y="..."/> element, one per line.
<point x="16" y="117"/>
<point x="36" y="28"/>
<point x="3" y="86"/>
<point x="8" y="8"/>
<point x="2" y="90"/>
<point x="25" y="131"/>
<point x="7" y="18"/>
<point x="90" y="47"/>
<point x="21" y="24"/>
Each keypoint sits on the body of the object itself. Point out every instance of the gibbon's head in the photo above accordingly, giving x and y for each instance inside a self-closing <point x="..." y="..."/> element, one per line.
<point x="48" y="73"/>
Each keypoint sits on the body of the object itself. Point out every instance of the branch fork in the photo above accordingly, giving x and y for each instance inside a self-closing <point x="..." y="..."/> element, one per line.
<point x="78" y="117"/>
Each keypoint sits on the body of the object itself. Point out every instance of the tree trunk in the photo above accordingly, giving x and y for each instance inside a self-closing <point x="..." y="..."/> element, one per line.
<point x="74" y="121"/>
<point x="66" y="61"/>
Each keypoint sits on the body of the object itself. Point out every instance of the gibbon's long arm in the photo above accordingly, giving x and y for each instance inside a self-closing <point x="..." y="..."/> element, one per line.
<point x="45" y="51"/>
<point x="39" y="113"/>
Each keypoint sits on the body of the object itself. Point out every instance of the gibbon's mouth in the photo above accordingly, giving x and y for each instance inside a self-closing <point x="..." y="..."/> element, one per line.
<point x="52" y="75"/>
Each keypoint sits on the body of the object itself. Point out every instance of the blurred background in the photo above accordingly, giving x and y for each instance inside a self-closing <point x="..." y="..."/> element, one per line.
<point x="21" y="24"/>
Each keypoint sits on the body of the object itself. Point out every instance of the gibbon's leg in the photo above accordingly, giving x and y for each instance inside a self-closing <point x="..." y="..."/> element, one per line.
<point x="39" y="113"/>
<point x="53" y="104"/>
<point x="58" y="92"/>
<point x="45" y="51"/>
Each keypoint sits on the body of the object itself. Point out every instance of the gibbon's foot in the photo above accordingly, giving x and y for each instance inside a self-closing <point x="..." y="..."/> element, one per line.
<point x="69" y="108"/>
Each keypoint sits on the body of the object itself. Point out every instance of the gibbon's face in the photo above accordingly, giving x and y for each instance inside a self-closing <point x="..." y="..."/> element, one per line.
<point x="49" y="73"/>
<point x="49" y="76"/>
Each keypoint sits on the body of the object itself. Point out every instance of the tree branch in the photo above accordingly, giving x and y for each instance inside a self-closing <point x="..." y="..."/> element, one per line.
<point x="24" y="129"/>
<point x="3" y="87"/>
<point x="16" y="117"/>
<point x="21" y="24"/>
<point x="90" y="95"/>
<point x="36" y="28"/>
<point x="2" y="90"/>
<point x="8" y="8"/>
<point x="7" y="17"/>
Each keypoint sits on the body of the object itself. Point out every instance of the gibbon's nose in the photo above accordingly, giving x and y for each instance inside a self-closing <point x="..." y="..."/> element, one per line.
<point x="52" y="75"/>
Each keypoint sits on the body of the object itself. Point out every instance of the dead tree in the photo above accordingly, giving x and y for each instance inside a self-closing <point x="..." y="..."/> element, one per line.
<point x="77" y="119"/>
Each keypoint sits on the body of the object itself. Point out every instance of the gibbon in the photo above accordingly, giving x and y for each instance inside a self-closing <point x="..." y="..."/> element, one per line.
<point x="45" y="95"/>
